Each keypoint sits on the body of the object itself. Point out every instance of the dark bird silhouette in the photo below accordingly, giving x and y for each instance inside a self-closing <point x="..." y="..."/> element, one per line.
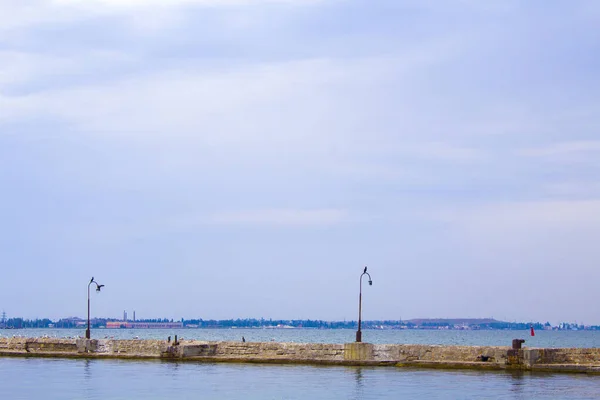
<point x="365" y="270"/>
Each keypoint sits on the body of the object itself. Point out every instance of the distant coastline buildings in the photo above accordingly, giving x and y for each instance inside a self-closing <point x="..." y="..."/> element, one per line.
<point x="128" y="324"/>
<point x="253" y="323"/>
<point x="142" y="325"/>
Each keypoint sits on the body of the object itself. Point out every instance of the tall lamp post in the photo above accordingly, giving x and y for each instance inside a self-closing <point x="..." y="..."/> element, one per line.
<point x="358" y="332"/>
<point x="98" y="287"/>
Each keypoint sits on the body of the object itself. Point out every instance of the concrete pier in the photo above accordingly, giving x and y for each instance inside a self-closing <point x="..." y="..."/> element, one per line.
<point x="398" y="355"/>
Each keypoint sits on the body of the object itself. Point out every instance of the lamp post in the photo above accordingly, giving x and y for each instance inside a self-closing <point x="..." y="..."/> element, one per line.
<point x="358" y="332"/>
<point x="98" y="287"/>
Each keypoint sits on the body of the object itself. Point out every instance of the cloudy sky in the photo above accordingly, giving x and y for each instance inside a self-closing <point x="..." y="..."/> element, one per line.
<point x="247" y="158"/>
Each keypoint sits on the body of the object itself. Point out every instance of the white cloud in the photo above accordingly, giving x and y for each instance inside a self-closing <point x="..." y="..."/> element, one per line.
<point x="282" y="217"/>
<point x="14" y="14"/>
<point x="29" y="71"/>
<point x="175" y="3"/>
<point x="529" y="232"/>
<point x="17" y="14"/>
<point x="145" y="15"/>
<point x="563" y="148"/>
<point x="293" y="106"/>
<point x="538" y="214"/>
<point x="113" y="231"/>
<point x="581" y="154"/>
<point x="444" y="151"/>
<point x="156" y="15"/>
<point x="578" y="189"/>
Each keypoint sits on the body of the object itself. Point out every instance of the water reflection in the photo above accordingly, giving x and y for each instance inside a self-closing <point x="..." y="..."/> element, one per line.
<point x="517" y="383"/>
<point x="358" y="392"/>
<point x="118" y="379"/>
<point x="87" y="371"/>
<point x="358" y="377"/>
<point x="88" y="379"/>
<point x="172" y="367"/>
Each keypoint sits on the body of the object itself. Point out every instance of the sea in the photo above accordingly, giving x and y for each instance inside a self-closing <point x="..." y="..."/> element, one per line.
<point x="42" y="378"/>
<point x="542" y="338"/>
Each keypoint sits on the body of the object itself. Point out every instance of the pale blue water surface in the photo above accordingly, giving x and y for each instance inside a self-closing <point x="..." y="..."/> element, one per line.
<point x="450" y="337"/>
<point x="65" y="379"/>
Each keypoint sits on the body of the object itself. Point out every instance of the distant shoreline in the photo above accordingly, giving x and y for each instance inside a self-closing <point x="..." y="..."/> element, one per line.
<point x="253" y="323"/>
<point x="299" y="328"/>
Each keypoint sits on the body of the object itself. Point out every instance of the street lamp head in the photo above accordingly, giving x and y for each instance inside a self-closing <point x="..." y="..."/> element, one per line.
<point x="370" y="282"/>
<point x="98" y="287"/>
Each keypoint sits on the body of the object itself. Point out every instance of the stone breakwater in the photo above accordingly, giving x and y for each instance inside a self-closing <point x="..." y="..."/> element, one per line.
<point x="358" y="354"/>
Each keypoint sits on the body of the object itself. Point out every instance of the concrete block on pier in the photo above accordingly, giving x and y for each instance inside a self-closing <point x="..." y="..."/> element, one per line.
<point x="358" y="351"/>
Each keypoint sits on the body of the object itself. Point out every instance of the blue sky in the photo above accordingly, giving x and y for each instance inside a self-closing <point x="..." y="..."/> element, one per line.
<point x="237" y="158"/>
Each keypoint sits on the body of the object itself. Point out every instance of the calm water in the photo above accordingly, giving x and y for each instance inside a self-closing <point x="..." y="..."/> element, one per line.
<point x="475" y="338"/>
<point x="35" y="378"/>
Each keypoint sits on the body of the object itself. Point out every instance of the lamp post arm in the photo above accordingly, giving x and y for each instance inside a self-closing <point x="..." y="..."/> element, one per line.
<point x="360" y="298"/>
<point x="87" y="331"/>
<point x="358" y="332"/>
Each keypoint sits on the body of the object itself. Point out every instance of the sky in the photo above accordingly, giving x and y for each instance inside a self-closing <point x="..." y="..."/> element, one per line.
<point x="247" y="158"/>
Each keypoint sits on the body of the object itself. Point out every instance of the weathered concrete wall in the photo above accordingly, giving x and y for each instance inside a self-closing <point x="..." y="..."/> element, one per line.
<point x="431" y="356"/>
<point x="407" y="353"/>
<point x="257" y="351"/>
<point x="568" y="356"/>
<point x="134" y="348"/>
<point x="38" y="345"/>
